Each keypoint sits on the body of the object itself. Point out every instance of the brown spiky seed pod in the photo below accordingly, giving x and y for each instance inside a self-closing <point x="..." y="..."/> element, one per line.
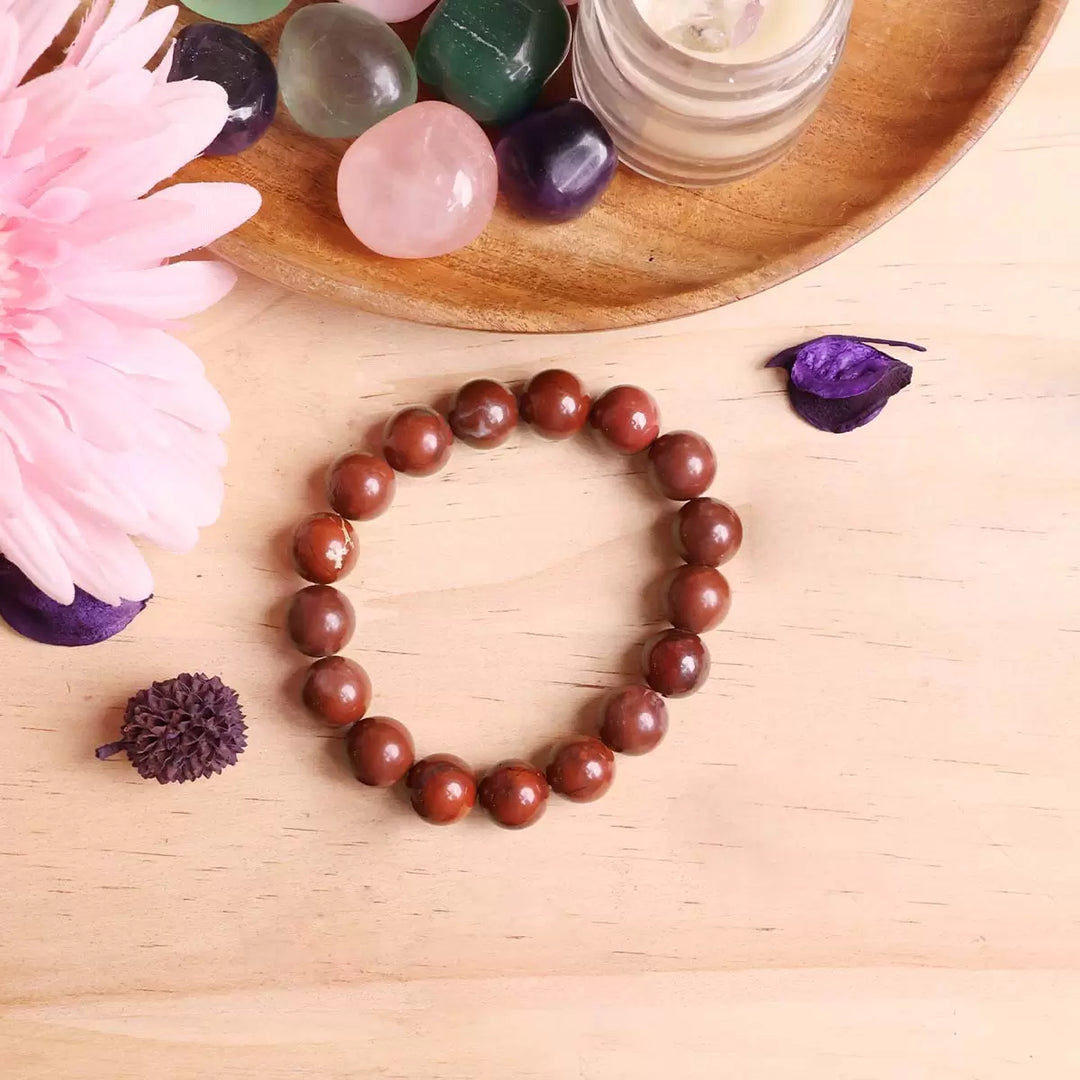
<point x="181" y="729"/>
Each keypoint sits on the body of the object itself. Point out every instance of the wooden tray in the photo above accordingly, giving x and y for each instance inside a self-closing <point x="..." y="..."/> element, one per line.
<point x="921" y="81"/>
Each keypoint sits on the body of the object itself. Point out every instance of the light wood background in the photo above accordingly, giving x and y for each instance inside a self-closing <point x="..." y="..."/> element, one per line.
<point x="855" y="856"/>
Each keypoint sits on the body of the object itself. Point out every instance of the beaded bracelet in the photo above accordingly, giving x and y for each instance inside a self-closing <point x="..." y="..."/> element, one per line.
<point x="675" y="662"/>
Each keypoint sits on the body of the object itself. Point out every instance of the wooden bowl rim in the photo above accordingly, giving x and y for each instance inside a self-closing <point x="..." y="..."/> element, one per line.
<point x="432" y="311"/>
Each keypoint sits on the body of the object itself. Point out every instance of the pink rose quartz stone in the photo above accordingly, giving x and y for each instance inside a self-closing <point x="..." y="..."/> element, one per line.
<point x="391" y="11"/>
<point x="420" y="183"/>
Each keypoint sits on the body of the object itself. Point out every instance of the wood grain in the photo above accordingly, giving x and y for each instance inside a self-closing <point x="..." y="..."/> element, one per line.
<point x="919" y="83"/>
<point x="852" y="859"/>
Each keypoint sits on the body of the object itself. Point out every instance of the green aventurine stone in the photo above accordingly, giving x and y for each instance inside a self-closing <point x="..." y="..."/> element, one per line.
<point x="238" y="12"/>
<point x="492" y="57"/>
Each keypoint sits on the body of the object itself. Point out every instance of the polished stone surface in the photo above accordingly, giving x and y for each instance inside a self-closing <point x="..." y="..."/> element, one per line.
<point x="320" y="620"/>
<point x="635" y="720"/>
<point x="360" y="486"/>
<point x="555" y="404"/>
<point x="707" y="531"/>
<point x="514" y="793"/>
<point x="696" y="598"/>
<point x="380" y="750"/>
<point x="581" y="768"/>
<point x="442" y="788"/>
<point x="342" y="70"/>
<point x="337" y="690"/>
<point x="240" y="12"/>
<point x="627" y="417"/>
<point x="483" y="414"/>
<point x="675" y="663"/>
<point x="242" y="67"/>
<point x="417" y="441"/>
<point x="324" y="548"/>
<point x="420" y="184"/>
<point x="682" y="465"/>
<point x="391" y="11"/>
<point x="492" y="57"/>
<point x="556" y="163"/>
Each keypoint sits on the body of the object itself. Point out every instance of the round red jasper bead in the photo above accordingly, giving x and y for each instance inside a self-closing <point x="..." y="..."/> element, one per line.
<point x="696" y="598"/>
<point x="380" y="750"/>
<point x="627" y="417"/>
<point x="320" y="620"/>
<point x="442" y="788"/>
<point x="707" y="531"/>
<point x="581" y="768"/>
<point x="514" y="794"/>
<point x="635" y="720"/>
<point x="483" y="414"/>
<point x="555" y="404"/>
<point x="337" y="690"/>
<point x="682" y="465"/>
<point x="417" y="441"/>
<point x="360" y="486"/>
<point x="324" y="548"/>
<point x="675" y="663"/>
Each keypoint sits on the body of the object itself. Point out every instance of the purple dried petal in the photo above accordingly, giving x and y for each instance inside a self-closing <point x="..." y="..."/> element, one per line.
<point x="834" y="367"/>
<point x="86" y="621"/>
<point x="837" y="415"/>
<point x="839" y="383"/>
<point x="786" y="357"/>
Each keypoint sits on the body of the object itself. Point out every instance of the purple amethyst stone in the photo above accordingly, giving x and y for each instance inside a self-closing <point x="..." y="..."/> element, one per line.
<point x="223" y="55"/>
<point x="556" y="162"/>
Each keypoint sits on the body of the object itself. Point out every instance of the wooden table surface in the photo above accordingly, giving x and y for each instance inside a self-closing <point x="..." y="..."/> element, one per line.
<point x="854" y="857"/>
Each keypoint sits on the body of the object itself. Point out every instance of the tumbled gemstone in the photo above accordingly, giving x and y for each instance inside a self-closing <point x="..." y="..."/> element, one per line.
<point x="492" y="57"/>
<point x="555" y="163"/>
<point x="342" y="70"/>
<point x="421" y="183"/>
<point x="391" y="11"/>
<point x="240" y="12"/>
<point x="231" y="59"/>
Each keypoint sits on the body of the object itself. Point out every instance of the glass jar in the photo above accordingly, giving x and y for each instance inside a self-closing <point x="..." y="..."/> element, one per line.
<point x="681" y="118"/>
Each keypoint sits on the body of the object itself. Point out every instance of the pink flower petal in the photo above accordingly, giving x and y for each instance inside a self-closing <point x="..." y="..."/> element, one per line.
<point x="9" y="54"/>
<point x="195" y="112"/>
<point x="12" y="492"/>
<point x="133" y="47"/>
<point x="51" y="101"/>
<point x="144" y="350"/>
<point x="171" y="222"/>
<point x="28" y="541"/>
<point x="164" y="292"/>
<point x="194" y="402"/>
<point x="89" y="27"/>
<point x="104" y="23"/>
<point x="109" y="430"/>
<point x="161" y="72"/>
<point x="32" y="371"/>
<point x="59" y="205"/>
<point x="115" y="571"/>
<point x="12" y="114"/>
<point x="39" y="22"/>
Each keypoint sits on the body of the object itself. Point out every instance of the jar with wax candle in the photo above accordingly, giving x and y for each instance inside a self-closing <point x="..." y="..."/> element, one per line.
<point x="701" y="92"/>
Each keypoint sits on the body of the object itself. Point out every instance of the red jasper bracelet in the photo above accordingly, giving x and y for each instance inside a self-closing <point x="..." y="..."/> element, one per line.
<point x="675" y="662"/>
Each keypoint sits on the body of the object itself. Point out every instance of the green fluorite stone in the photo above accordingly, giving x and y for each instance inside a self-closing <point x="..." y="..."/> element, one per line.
<point x="492" y="57"/>
<point x="238" y="12"/>
<point x="342" y="70"/>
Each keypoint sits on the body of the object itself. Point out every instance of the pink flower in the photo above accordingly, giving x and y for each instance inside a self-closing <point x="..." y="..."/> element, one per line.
<point x="109" y="430"/>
